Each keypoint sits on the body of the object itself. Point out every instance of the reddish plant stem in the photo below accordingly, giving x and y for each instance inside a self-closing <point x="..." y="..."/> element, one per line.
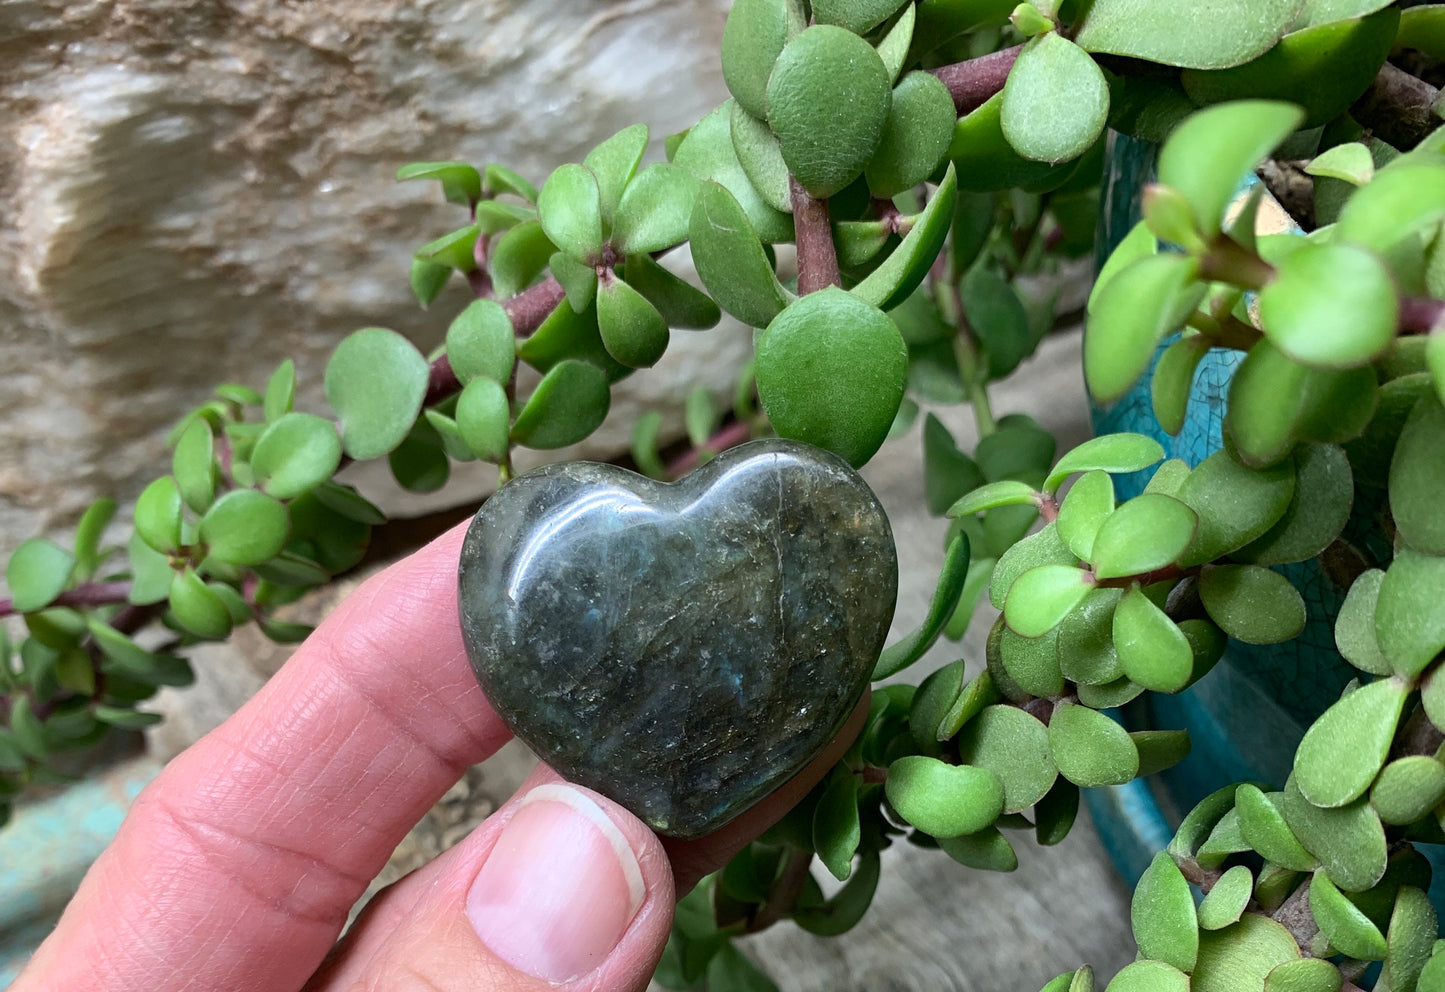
<point x="817" y="256"/>
<point x="1229" y="261"/>
<point x="89" y="594"/>
<point x="1419" y="315"/>
<point x="730" y="436"/>
<point x="783" y="898"/>
<point x="527" y="310"/>
<point x="973" y="82"/>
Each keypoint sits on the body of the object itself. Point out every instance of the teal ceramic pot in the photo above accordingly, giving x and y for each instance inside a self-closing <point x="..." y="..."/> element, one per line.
<point x="1247" y="716"/>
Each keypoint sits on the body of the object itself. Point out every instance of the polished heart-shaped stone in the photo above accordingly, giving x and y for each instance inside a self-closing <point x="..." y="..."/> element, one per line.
<point x="686" y="647"/>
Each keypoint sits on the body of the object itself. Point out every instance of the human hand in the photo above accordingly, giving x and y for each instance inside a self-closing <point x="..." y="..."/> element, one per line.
<point x="236" y="868"/>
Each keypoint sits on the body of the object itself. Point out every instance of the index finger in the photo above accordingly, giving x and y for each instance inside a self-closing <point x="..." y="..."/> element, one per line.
<point x="267" y="831"/>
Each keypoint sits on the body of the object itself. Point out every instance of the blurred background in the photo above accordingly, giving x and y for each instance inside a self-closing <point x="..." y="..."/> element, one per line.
<point x="191" y="192"/>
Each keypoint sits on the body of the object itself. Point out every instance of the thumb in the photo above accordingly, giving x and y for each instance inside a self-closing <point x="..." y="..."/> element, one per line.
<point x="561" y="887"/>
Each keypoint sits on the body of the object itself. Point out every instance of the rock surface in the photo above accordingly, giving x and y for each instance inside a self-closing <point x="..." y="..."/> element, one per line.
<point x="683" y="648"/>
<point x="190" y="193"/>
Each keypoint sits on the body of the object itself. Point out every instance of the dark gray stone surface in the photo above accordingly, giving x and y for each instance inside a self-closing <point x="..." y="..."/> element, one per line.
<point x="683" y="648"/>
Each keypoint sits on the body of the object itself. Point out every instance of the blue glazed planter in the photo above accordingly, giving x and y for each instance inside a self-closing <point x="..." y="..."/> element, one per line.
<point x="1247" y="716"/>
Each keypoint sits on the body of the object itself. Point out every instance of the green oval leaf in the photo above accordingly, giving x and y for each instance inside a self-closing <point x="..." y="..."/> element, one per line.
<point x="158" y="515"/>
<point x="1114" y="453"/>
<point x="1330" y="305"/>
<point x="1031" y="663"/>
<point x="632" y="330"/>
<point x="1040" y="598"/>
<point x="1348" y="930"/>
<point x="1236" y="505"/>
<point x="836" y="829"/>
<point x="613" y="164"/>
<point x="1323" y="497"/>
<point x="987" y="163"/>
<point x="858" y="16"/>
<point x="519" y="257"/>
<point x="1349" y="840"/>
<point x="655" y="210"/>
<point x="420" y="463"/>
<point x="827" y="101"/>
<point x="935" y="696"/>
<point x="197" y="607"/>
<point x="1323" y="68"/>
<point x="680" y="304"/>
<point x="1055" y="102"/>
<point x="1148" y="532"/>
<point x="1149" y="976"/>
<point x="88" y="534"/>
<point x="944" y="800"/>
<point x="461" y="183"/>
<point x="1304" y="975"/>
<point x="481" y="342"/>
<point x="916" y="137"/>
<point x="1132" y="313"/>
<point x="1408" y="789"/>
<point x="761" y="158"/>
<point x="1054" y="814"/>
<point x="708" y="153"/>
<point x="1088" y="634"/>
<point x="1417" y="476"/>
<point x="456" y="250"/>
<point x="1088" y="504"/>
<point x="1152" y="649"/>
<point x="1344" y="749"/>
<point x="1400" y="201"/>
<point x="1252" y="604"/>
<point x="977" y="694"/>
<point x="1015" y="747"/>
<point x="1189" y="37"/>
<point x="484" y="419"/>
<point x="1410" y="939"/>
<point x="951" y="578"/>
<point x="37" y="572"/>
<point x="570" y="209"/>
<point x="995" y="494"/>
<point x="730" y="259"/>
<point x="1264" y="827"/>
<point x="1239" y="957"/>
<point x="1225" y="903"/>
<point x="1210" y="153"/>
<point x="987" y="850"/>
<point x="831" y="372"/>
<point x="245" y="527"/>
<point x="427" y="280"/>
<point x="1165" y="925"/>
<point x="1090" y="749"/>
<point x="1042" y="548"/>
<point x="194" y="465"/>
<point x="376" y="381"/>
<point x="296" y="454"/>
<point x="1409" y="623"/>
<point x="1355" y="625"/>
<point x="280" y="391"/>
<point x="568" y="404"/>
<point x="752" y="40"/>
<point x="1173" y="380"/>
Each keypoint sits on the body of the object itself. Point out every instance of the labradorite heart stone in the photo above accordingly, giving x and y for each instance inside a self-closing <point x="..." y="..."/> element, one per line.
<point x="683" y="648"/>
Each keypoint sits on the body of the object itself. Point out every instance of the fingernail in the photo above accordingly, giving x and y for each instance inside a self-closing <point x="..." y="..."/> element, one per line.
<point x="559" y="888"/>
